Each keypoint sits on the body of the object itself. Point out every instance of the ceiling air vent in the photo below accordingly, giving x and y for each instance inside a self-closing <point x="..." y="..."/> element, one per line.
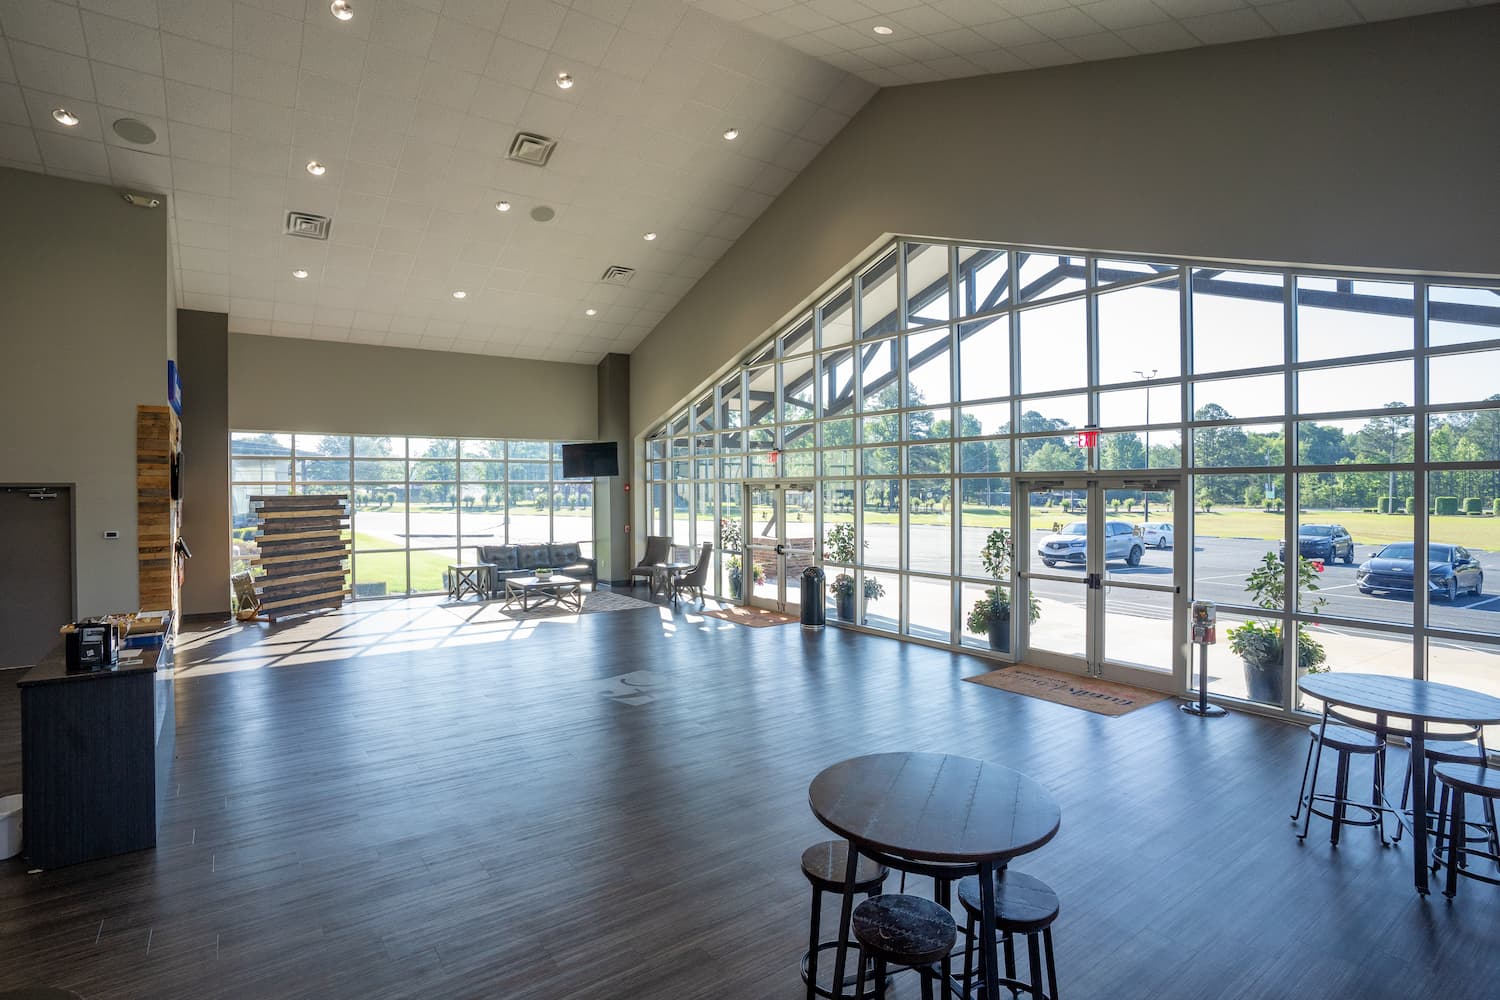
<point x="308" y="226"/>
<point x="528" y="147"/>
<point x="617" y="275"/>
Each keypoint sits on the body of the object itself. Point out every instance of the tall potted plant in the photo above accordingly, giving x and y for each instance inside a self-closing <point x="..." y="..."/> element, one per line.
<point x="838" y="548"/>
<point x="990" y="615"/>
<point x="1258" y="644"/>
<point x="729" y="542"/>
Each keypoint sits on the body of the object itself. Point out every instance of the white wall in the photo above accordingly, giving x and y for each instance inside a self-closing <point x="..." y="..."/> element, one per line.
<point x="84" y="328"/>
<point x="281" y="384"/>
<point x="1373" y="146"/>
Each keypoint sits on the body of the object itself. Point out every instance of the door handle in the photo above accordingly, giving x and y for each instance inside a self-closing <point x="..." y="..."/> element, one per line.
<point x="781" y="550"/>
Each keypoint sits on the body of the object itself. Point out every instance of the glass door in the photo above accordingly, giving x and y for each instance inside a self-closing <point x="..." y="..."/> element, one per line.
<point x="780" y="543"/>
<point x="1100" y="555"/>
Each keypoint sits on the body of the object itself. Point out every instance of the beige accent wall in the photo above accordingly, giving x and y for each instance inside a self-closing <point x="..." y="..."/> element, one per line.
<point x="1374" y="146"/>
<point x="282" y="384"/>
<point x="83" y="340"/>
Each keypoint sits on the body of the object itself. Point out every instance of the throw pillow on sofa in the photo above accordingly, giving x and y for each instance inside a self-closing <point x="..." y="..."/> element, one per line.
<point x="532" y="556"/>
<point x="500" y="556"/>
<point x="565" y="554"/>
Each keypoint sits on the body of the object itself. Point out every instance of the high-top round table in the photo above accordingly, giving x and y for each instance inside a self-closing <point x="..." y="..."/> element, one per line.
<point x="933" y="807"/>
<point x="1406" y="698"/>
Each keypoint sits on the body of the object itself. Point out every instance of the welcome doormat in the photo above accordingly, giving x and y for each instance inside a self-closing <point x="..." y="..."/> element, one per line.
<point x="754" y="617"/>
<point x="1088" y="693"/>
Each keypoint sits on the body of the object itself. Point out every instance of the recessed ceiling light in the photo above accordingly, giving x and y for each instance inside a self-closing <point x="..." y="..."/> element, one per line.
<point x="881" y="29"/>
<point x="341" y="9"/>
<point x="316" y="169"/>
<point x="460" y="295"/>
<point x="299" y="273"/>
<point x="731" y="134"/>
<point x="591" y="312"/>
<point x="565" y="80"/>
<point x="64" y="117"/>
<point x="648" y="237"/>
<point x="502" y="206"/>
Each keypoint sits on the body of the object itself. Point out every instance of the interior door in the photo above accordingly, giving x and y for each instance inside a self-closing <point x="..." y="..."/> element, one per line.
<point x="36" y="570"/>
<point x="781" y="543"/>
<point x="1100" y="555"/>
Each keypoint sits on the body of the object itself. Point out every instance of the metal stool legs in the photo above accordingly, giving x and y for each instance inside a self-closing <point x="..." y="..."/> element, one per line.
<point x="1041" y="963"/>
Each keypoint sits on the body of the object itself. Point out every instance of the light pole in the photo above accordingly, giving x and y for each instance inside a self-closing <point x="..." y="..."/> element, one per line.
<point x="1146" y="497"/>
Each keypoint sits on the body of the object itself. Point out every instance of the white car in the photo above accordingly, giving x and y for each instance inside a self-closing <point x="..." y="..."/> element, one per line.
<point x="1157" y="534"/>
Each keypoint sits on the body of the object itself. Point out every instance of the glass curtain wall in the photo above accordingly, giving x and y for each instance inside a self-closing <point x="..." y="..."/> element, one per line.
<point x="418" y="504"/>
<point x="1352" y="418"/>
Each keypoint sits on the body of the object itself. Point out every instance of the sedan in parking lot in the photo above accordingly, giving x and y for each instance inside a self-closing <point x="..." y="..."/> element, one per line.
<point x="1451" y="570"/>
<point x="1157" y="534"/>
<point x="1071" y="544"/>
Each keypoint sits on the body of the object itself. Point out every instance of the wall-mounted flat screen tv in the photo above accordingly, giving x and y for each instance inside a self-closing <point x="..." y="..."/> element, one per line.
<point x="590" y="460"/>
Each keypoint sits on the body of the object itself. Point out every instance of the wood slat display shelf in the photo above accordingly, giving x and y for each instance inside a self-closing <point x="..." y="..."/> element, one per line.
<point x="304" y="552"/>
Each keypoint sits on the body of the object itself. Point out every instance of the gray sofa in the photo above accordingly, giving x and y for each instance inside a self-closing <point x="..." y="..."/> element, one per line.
<point x="508" y="561"/>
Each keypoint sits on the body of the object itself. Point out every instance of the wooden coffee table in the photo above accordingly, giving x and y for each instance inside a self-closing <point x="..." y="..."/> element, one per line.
<point x="560" y="591"/>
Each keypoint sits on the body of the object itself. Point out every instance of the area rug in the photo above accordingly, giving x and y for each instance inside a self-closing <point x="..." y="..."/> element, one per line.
<point x="754" y="617"/>
<point x="599" y="601"/>
<point x="1087" y="693"/>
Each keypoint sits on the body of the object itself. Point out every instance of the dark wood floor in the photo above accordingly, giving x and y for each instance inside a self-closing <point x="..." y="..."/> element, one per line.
<point x="393" y="803"/>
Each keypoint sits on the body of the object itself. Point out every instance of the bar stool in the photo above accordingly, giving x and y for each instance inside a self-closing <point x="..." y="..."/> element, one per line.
<point x="1452" y="846"/>
<point x="1346" y="741"/>
<point x="905" y="931"/>
<point x="1024" y="905"/>
<point x="824" y="865"/>
<point x="1446" y="752"/>
<point x="943" y="875"/>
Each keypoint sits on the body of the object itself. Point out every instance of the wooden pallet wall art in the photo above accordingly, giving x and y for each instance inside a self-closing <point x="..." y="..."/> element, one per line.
<point x="157" y="439"/>
<point x="303" y="552"/>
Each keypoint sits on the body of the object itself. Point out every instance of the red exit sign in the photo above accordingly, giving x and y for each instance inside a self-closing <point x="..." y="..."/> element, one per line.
<point x="1086" y="439"/>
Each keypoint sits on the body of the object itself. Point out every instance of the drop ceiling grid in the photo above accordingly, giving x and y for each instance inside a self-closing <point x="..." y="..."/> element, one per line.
<point x="949" y="39"/>
<point x="411" y="106"/>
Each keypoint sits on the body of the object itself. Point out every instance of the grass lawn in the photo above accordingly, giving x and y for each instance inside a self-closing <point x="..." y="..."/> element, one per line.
<point x="427" y="568"/>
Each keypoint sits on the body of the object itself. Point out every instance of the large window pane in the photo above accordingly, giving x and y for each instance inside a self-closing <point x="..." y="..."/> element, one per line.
<point x="798" y="388"/>
<point x="877" y="298"/>
<point x="837" y="397"/>
<point x="1458" y="315"/>
<point x="379" y="574"/>
<point x="248" y="443"/>
<point x="1472" y="665"/>
<point x="1140" y="333"/>
<point x="929" y="375"/>
<point x="927" y="293"/>
<point x="878" y="376"/>
<point x="983" y="280"/>
<point x="881" y="522"/>
<point x="379" y="518"/>
<point x="1236" y="524"/>
<point x="929" y="608"/>
<point x="1250" y="396"/>
<point x="1238" y="319"/>
<point x="1463" y="378"/>
<point x="1237" y="445"/>
<point x="984" y="359"/>
<point x="1355" y="387"/>
<point x="836" y="319"/>
<point x="1154" y="404"/>
<point x="1342" y="537"/>
<point x="1045" y="275"/>
<point x="1054" y="353"/>
<point x="1464" y="532"/>
<point x="985" y="508"/>
<point x="1342" y="317"/>
<point x="929" y="531"/>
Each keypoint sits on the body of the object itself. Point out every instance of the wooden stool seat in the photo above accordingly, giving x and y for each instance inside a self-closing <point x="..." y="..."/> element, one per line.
<point x="1471" y="778"/>
<point x="904" y="930"/>
<point x="1346" y="738"/>
<point x="1453" y="753"/>
<point x="824" y="865"/>
<point x="1024" y="903"/>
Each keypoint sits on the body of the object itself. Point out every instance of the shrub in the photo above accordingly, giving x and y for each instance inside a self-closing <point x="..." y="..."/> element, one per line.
<point x="1411" y="505"/>
<point x="1495" y="509"/>
<point x="1383" y="505"/>
<point x="1473" y="506"/>
<point x="1445" y="505"/>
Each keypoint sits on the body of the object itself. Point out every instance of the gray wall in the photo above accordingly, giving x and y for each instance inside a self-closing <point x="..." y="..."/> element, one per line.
<point x="280" y="384"/>
<point x="1372" y="146"/>
<point x="203" y="360"/>
<point x="83" y="334"/>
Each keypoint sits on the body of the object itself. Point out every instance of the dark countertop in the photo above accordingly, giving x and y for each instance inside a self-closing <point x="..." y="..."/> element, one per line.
<point x="53" y="668"/>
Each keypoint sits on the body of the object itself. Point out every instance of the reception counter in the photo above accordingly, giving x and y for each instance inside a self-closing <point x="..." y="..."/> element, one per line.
<point x="95" y="748"/>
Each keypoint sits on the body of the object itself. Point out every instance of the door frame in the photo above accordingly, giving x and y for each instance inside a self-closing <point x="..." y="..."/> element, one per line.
<point x="786" y="601"/>
<point x="1094" y="662"/>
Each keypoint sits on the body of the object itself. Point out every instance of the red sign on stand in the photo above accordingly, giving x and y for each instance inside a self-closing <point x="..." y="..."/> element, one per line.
<point x="1086" y="439"/>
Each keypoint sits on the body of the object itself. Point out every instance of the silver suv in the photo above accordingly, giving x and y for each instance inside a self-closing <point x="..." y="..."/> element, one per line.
<point x="1071" y="543"/>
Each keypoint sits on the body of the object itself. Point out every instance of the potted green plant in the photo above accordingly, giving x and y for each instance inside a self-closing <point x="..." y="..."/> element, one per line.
<point x="1258" y="644"/>
<point x="990" y="615"/>
<point x="838" y="548"/>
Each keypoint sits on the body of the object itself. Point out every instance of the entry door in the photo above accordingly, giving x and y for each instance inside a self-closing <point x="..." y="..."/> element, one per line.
<point x="780" y="544"/>
<point x="1101" y="556"/>
<point x="36" y="570"/>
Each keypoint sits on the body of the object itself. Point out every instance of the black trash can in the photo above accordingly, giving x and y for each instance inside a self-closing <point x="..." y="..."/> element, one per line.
<point x="814" y="614"/>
